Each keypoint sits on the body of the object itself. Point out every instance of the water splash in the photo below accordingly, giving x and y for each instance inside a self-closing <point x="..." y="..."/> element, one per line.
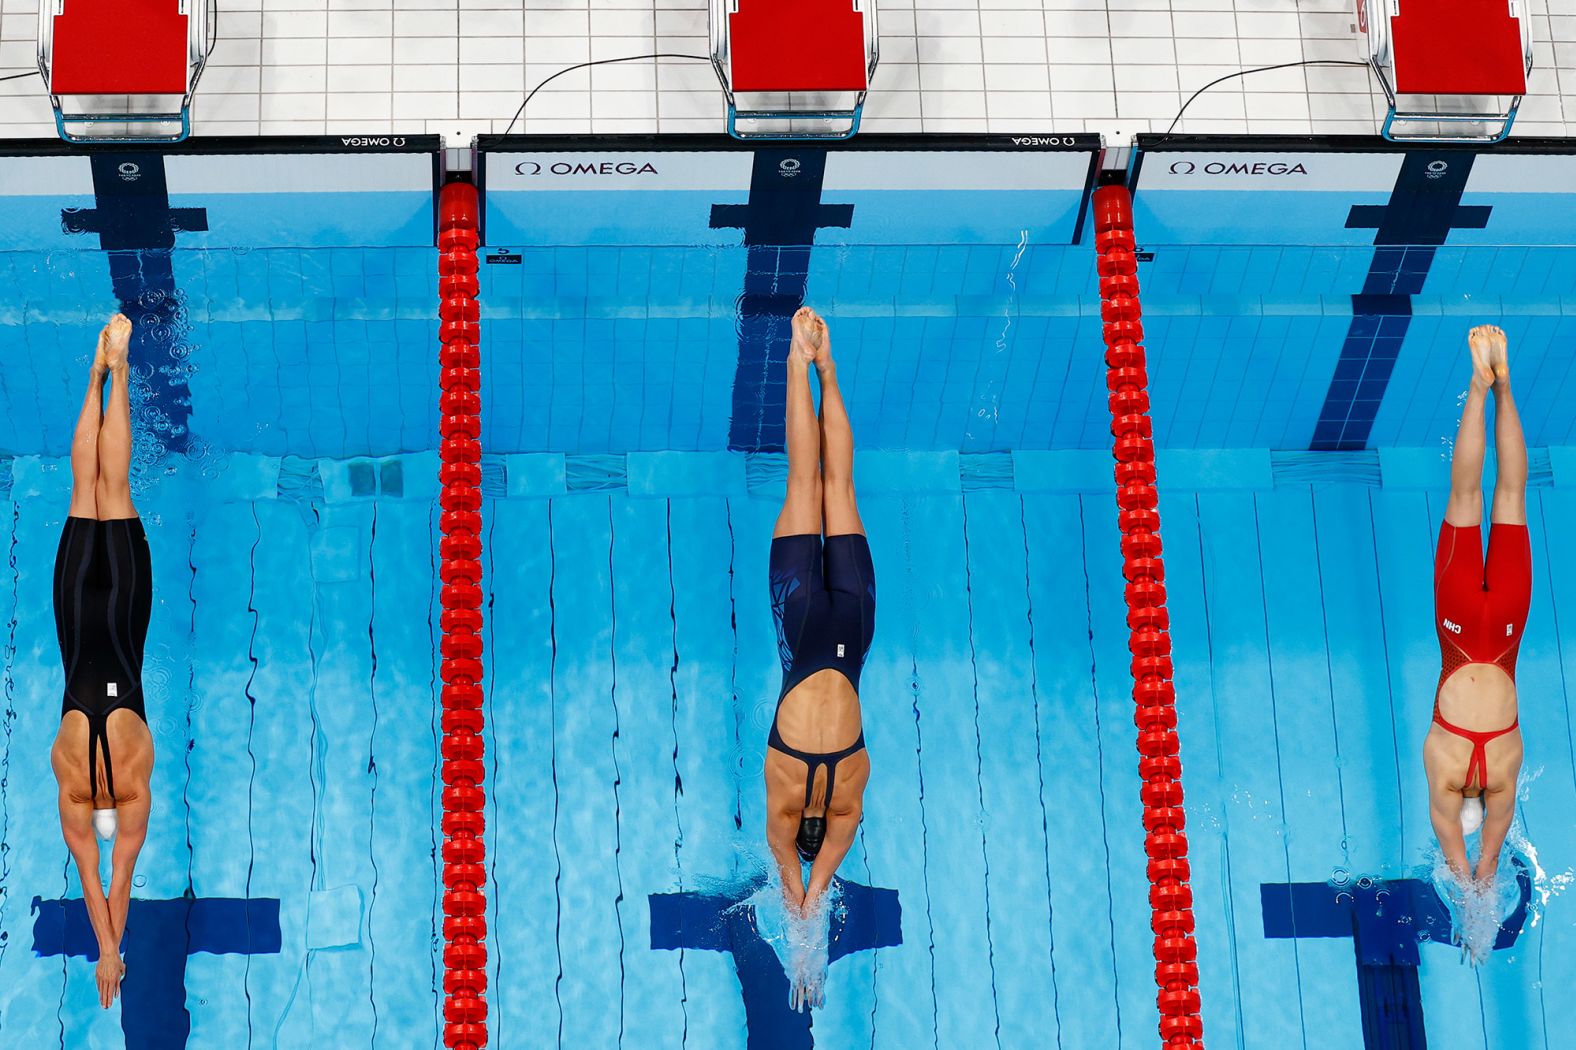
<point x="1012" y="283"/>
<point x="164" y="326"/>
<point x="1478" y="910"/>
<point x="802" y="941"/>
<point x="988" y="399"/>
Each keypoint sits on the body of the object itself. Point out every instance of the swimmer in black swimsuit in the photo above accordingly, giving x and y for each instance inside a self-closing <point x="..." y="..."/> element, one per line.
<point x="824" y="602"/>
<point x="103" y="754"/>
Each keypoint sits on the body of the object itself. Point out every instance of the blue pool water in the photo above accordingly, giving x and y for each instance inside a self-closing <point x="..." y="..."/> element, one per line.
<point x="289" y="891"/>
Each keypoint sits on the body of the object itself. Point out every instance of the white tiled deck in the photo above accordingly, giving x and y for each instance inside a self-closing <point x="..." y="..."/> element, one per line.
<point x="461" y="67"/>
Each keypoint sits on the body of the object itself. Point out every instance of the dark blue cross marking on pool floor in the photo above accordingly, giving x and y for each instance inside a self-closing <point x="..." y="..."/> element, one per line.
<point x="870" y="918"/>
<point x="160" y="934"/>
<point x="1386" y="920"/>
<point x="1423" y="208"/>
<point x="779" y="223"/>
<point x="136" y="226"/>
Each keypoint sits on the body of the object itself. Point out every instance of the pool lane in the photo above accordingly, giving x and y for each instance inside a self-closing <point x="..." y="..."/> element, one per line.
<point x="1318" y="664"/>
<point x="684" y="665"/>
<point x="294" y="726"/>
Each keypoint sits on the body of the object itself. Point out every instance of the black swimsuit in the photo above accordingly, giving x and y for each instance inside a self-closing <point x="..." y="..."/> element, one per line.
<point x="103" y="598"/>
<point x="824" y="604"/>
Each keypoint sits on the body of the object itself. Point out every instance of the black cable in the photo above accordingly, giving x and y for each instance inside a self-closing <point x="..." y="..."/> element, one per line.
<point x="586" y="65"/>
<point x="1260" y="69"/>
<point x="19" y="76"/>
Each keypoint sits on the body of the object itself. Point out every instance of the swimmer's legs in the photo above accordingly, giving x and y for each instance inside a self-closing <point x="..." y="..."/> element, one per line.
<point x="840" y="510"/>
<point x="114" y="437"/>
<point x="84" y="442"/>
<point x="1465" y="508"/>
<point x="801" y="513"/>
<point x="1510" y="446"/>
<point x="1509" y="508"/>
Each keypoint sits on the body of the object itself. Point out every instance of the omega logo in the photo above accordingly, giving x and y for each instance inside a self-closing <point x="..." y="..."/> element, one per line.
<point x="585" y="167"/>
<point x="1238" y="167"/>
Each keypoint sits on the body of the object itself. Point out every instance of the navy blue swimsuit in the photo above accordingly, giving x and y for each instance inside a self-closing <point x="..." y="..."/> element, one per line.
<point x="824" y="604"/>
<point x="103" y="598"/>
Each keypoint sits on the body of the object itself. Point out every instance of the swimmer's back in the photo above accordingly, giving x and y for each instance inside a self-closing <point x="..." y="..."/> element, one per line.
<point x="130" y="754"/>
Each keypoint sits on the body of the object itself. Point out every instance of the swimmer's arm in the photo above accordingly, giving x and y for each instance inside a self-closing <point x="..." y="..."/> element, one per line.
<point x="840" y="831"/>
<point x="1444" y="810"/>
<point x="129" y="837"/>
<point x="781" y="829"/>
<point x="76" y="826"/>
<point x="1498" y="809"/>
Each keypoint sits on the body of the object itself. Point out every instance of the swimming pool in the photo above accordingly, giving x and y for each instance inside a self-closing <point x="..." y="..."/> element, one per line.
<point x="997" y="892"/>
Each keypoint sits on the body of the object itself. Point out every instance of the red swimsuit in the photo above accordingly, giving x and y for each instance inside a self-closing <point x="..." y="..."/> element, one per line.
<point x="1480" y="611"/>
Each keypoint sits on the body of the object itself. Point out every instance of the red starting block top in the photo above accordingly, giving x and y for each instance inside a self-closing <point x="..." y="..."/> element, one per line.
<point x="119" y="47"/>
<point x="1458" y="47"/>
<point x="797" y="45"/>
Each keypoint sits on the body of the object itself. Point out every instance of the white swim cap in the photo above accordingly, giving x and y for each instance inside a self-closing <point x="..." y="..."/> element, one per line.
<point x="105" y="823"/>
<point x="1471" y="814"/>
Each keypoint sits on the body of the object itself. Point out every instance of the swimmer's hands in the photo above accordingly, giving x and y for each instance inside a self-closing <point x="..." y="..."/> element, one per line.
<point x="114" y="343"/>
<point x="1490" y="361"/>
<point x="1471" y="900"/>
<point x="109" y="974"/>
<point x="809" y="933"/>
<point x="804" y="997"/>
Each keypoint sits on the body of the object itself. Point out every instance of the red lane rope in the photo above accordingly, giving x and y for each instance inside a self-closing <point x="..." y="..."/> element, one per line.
<point x="1159" y="767"/>
<point x="460" y="570"/>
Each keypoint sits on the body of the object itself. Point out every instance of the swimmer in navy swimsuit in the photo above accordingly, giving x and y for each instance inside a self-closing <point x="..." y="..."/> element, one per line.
<point x="103" y="753"/>
<point x="1473" y="750"/>
<point x="823" y="596"/>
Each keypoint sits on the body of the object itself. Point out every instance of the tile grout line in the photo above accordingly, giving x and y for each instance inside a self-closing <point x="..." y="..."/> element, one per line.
<point x="656" y="73"/>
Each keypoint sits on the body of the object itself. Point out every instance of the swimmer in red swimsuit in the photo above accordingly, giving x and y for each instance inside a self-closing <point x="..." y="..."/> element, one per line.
<point x="1473" y="748"/>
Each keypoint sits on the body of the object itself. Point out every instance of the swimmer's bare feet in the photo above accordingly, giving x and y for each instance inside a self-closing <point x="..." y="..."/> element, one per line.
<point x="99" y="366"/>
<point x="114" y="343"/>
<point x="809" y="337"/>
<point x="823" y="354"/>
<point x="1481" y="342"/>
<point x="1499" y="355"/>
